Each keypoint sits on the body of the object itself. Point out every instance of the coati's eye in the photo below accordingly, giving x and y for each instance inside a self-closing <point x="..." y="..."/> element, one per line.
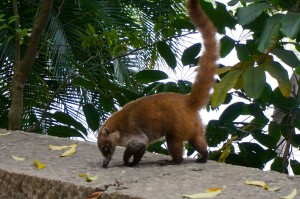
<point x="105" y="149"/>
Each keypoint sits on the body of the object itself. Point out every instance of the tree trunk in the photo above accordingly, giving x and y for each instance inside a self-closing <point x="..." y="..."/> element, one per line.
<point x="23" y="68"/>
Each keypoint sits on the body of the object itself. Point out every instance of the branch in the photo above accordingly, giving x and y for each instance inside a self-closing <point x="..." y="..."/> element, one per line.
<point x="39" y="25"/>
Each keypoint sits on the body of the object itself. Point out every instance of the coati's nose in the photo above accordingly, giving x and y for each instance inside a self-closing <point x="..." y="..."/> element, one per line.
<point x="106" y="160"/>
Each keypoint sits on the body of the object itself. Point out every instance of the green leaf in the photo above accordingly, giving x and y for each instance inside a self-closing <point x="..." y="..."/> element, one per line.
<point x="165" y="51"/>
<point x="214" y="134"/>
<point x="259" y="117"/>
<point x="287" y="56"/>
<point x="68" y="120"/>
<point x="277" y="164"/>
<point x="296" y="140"/>
<point x="107" y="103"/>
<point x="264" y="139"/>
<point x="184" y="86"/>
<point x="248" y="14"/>
<point x="232" y="112"/>
<point x="92" y="116"/>
<point x="189" y="55"/>
<point x="63" y="131"/>
<point x="84" y="83"/>
<point x="274" y="131"/>
<point x="280" y="74"/>
<point x="157" y="147"/>
<point x="243" y="52"/>
<point x="270" y="34"/>
<point x="266" y="95"/>
<point x="295" y="166"/>
<point x="283" y="102"/>
<point x="227" y="44"/>
<point x="290" y="25"/>
<point x="147" y="76"/>
<point x="253" y="154"/>
<point x="221" y="88"/>
<point x="254" y="80"/>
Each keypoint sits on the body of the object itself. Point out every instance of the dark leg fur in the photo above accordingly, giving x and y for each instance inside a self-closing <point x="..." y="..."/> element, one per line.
<point x="175" y="149"/>
<point x="136" y="150"/>
<point x="198" y="142"/>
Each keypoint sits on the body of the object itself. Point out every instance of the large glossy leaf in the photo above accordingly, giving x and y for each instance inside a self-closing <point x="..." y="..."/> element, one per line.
<point x="254" y="80"/>
<point x="148" y="76"/>
<point x="270" y="34"/>
<point x="68" y="120"/>
<point x="227" y="20"/>
<point x="227" y="44"/>
<point x="295" y="166"/>
<point x="214" y="134"/>
<point x="287" y="56"/>
<point x="189" y="55"/>
<point x="253" y="154"/>
<point x="92" y="116"/>
<point x="221" y="88"/>
<point x="280" y="74"/>
<point x="290" y="25"/>
<point x="243" y="52"/>
<point x="165" y="51"/>
<point x="264" y="139"/>
<point x="232" y="112"/>
<point x="286" y="103"/>
<point x="248" y="14"/>
<point x="277" y="164"/>
<point x="274" y="131"/>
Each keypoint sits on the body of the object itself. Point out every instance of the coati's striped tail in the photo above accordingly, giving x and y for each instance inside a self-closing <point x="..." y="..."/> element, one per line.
<point x="204" y="80"/>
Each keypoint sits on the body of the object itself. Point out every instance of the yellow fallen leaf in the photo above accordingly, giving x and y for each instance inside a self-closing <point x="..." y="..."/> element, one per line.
<point x="2" y="134"/>
<point x="69" y="152"/>
<point x="213" y="189"/>
<point x="274" y="189"/>
<point x="208" y="194"/>
<point x="58" y="148"/>
<point x="291" y="195"/>
<point x="257" y="183"/>
<point x="17" y="158"/>
<point x="38" y="164"/>
<point x="83" y="175"/>
<point x="87" y="177"/>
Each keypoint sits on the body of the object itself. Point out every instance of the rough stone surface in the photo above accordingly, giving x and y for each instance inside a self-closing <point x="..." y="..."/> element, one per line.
<point x="151" y="179"/>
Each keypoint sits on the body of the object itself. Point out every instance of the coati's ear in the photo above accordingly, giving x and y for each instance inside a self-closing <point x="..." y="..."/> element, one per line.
<point x="105" y="131"/>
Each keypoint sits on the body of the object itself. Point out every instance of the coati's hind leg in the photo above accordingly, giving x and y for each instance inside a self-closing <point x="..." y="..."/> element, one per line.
<point x="198" y="142"/>
<point x="175" y="148"/>
<point x="135" y="149"/>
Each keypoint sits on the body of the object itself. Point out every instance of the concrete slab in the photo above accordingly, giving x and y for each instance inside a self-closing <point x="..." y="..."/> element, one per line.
<point x="151" y="179"/>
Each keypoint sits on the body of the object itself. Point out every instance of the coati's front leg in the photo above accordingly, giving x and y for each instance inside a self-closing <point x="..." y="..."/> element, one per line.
<point x="135" y="149"/>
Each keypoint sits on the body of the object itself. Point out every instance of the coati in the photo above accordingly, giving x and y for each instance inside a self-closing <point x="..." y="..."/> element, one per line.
<point x="172" y="115"/>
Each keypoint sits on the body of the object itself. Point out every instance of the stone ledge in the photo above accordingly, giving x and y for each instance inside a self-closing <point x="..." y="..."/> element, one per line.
<point x="151" y="179"/>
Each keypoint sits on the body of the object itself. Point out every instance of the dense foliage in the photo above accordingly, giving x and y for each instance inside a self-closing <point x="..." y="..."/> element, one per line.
<point x="95" y="56"/>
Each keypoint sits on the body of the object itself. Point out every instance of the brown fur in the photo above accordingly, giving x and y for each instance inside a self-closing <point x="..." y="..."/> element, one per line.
<point x="172" y="115"/>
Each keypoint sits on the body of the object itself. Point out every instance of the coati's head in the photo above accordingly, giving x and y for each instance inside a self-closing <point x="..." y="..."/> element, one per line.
<point x="107" y="142"/>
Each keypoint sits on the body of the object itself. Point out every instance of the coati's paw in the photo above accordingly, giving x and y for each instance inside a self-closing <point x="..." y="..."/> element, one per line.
<point x="130" y="164"/>
<point x="201" y="160"/>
